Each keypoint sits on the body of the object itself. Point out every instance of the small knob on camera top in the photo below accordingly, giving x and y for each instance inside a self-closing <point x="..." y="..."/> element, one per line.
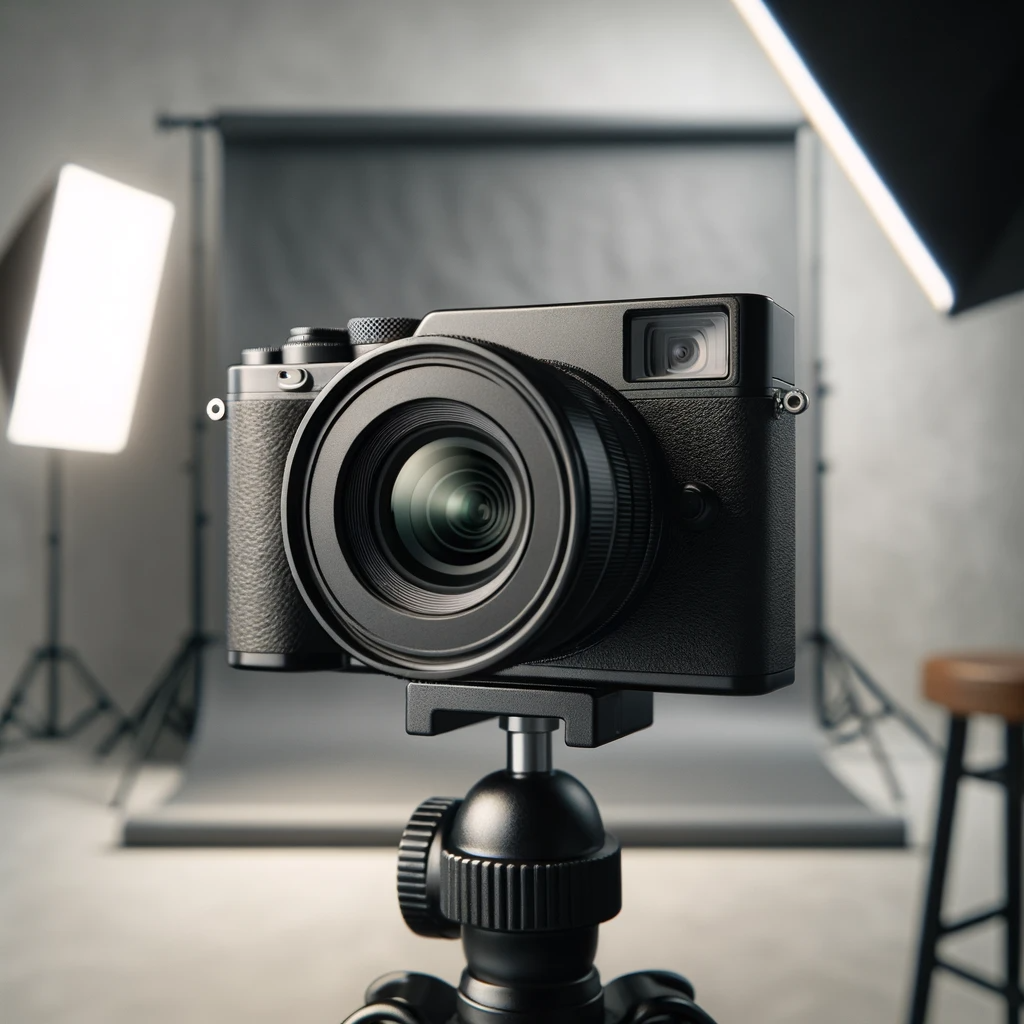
<point x="260" y="356"/>
<point x="373" y="330"/>
<point x="316" y="345"/>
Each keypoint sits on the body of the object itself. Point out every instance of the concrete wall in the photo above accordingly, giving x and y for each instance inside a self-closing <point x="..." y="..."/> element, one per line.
<point x="926" y="545"/>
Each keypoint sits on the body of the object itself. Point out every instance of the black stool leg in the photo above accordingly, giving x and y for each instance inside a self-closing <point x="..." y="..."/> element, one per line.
<point x="931" y="928"/>
<point x="1014" y="793"/>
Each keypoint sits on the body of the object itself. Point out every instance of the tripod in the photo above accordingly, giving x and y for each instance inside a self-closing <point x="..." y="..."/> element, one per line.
<point x="163" y="706"/>
<point x="47" y="660"/>
<point x="523" y="871"/>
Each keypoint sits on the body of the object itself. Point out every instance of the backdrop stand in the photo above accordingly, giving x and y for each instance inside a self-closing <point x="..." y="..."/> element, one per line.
<point x="849" y="702"/>
<point x="170" y="702"/>
<point x="46" y="661"/>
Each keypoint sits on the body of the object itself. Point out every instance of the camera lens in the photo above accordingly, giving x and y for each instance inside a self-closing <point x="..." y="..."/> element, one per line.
<point x="435" y="537"/>
<point x="452" y="508"/>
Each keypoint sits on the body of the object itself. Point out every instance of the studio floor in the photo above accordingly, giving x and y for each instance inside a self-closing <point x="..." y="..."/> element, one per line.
<point x="91" y="933"/>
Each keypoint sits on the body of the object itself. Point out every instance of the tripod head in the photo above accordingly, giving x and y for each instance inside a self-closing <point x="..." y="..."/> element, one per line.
<point x="522" y="871"/>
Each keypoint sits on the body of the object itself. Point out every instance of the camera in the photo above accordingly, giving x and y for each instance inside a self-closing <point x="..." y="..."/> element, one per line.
<point x="599" y="493"/>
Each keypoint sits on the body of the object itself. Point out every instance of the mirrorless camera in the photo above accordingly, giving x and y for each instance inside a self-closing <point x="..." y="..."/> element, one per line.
<point x="599" y="493"/>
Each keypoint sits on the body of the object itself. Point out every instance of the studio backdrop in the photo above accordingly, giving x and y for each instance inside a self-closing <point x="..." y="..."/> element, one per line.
<point x="329" y="218"/>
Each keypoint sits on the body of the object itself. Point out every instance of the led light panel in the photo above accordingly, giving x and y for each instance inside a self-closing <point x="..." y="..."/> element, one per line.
<point x="92" y="313"/>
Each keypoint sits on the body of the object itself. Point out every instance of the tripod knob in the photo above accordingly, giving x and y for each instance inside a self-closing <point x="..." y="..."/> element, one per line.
<point x="419" y="868"/>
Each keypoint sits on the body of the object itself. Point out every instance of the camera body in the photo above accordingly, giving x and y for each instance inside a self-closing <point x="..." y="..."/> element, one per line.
<point x="628" y="466"/>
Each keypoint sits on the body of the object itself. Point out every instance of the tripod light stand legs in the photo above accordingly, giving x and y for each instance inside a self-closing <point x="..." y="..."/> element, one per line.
<point x="156" y="712"/>
<point x="51" y="657"/>
<point x="847" y="718"/>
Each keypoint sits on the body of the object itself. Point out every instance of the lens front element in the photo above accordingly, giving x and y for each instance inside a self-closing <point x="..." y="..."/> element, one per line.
<point x="452" y="506"/>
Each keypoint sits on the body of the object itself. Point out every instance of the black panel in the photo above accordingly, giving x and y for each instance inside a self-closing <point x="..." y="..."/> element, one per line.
<point x="934" y="94"/>
<point x="19" y="273"/>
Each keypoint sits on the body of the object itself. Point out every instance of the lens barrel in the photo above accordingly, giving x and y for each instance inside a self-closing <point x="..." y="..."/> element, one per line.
<point x="451" y="507"/>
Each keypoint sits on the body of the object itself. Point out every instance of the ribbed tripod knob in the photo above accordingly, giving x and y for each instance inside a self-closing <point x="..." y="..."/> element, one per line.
<point x="511" y="897"/>
<point x="419" y="868"/>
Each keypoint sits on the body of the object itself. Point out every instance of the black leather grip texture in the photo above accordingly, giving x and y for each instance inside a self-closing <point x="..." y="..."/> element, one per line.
<point x="266" y="614"/>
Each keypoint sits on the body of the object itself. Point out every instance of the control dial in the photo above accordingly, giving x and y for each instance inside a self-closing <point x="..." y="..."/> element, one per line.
<point x="316" y="345"/>
<point x="373" y="330"/>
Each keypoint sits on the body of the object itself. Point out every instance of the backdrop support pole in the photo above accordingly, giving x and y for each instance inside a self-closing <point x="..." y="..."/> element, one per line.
<point x="49" y="657"/>
<point x="162" y="706"/>
<point x="838" y="678"/>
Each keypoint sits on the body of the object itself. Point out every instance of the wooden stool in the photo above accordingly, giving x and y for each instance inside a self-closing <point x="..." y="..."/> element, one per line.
<point x="982" y="684"/>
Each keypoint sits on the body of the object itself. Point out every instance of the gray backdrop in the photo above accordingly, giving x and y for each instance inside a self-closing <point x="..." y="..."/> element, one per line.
<point x="329" y="218"/>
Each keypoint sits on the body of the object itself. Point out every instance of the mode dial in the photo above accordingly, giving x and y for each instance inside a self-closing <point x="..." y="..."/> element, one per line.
<point x="419" y="868"/>
<point x="372" y="330"/>
<point x="316" y="345"/>
<point x="260" y="356"/>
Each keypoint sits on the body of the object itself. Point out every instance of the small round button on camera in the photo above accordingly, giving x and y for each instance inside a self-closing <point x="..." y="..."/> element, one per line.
<point x="215" y="409"/>
<point x="794" y="401"/>
<point x="294" y="379"/>
<point x="696" y="505"/>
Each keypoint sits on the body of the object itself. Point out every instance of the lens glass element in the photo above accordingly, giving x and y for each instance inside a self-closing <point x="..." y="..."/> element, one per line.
<point x="434" y="507"/>
<point x="452" y="506"/>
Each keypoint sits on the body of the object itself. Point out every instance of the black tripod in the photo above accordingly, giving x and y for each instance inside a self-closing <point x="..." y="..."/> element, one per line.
<point x="47" y="660"/>
<point x="523" y="871"/>
<point x="171" y="702"/>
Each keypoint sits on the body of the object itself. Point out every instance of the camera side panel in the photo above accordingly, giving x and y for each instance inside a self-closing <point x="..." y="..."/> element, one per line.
<point x="719" y="613"/>
<point x="269" y="625"/>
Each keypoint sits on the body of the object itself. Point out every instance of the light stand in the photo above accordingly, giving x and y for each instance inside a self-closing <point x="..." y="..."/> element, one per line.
<point x="522" y="871"/>
<point x="78" y="289"/>
<point x="46" y="661"/>
<point x="838" y="675"/>
<point x="163" y="705"/>
<point x="840" y="682"/>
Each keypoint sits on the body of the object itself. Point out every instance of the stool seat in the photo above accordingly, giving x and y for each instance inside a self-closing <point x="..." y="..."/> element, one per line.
<point x="977" y="684"/>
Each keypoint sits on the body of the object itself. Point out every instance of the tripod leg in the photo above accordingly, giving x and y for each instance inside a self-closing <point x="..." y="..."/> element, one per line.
<point x="402" y="998"/>
<point x="150" y="726"/>
<point x="102" y="700"/>
<point x="657" y="997"/>
<point x="830" y="659"/>
<point x="133" y="722"/>
<point x="866" y="726"/>
<point x="889" y="704"/>
<point x="22" y="685"/>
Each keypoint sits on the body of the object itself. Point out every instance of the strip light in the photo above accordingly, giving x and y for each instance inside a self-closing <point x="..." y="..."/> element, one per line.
<point x="92" y="314"/>
<point x="847" y="152"/>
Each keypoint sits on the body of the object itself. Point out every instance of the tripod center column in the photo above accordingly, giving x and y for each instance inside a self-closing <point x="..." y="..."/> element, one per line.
<point x="529" y="743"/>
